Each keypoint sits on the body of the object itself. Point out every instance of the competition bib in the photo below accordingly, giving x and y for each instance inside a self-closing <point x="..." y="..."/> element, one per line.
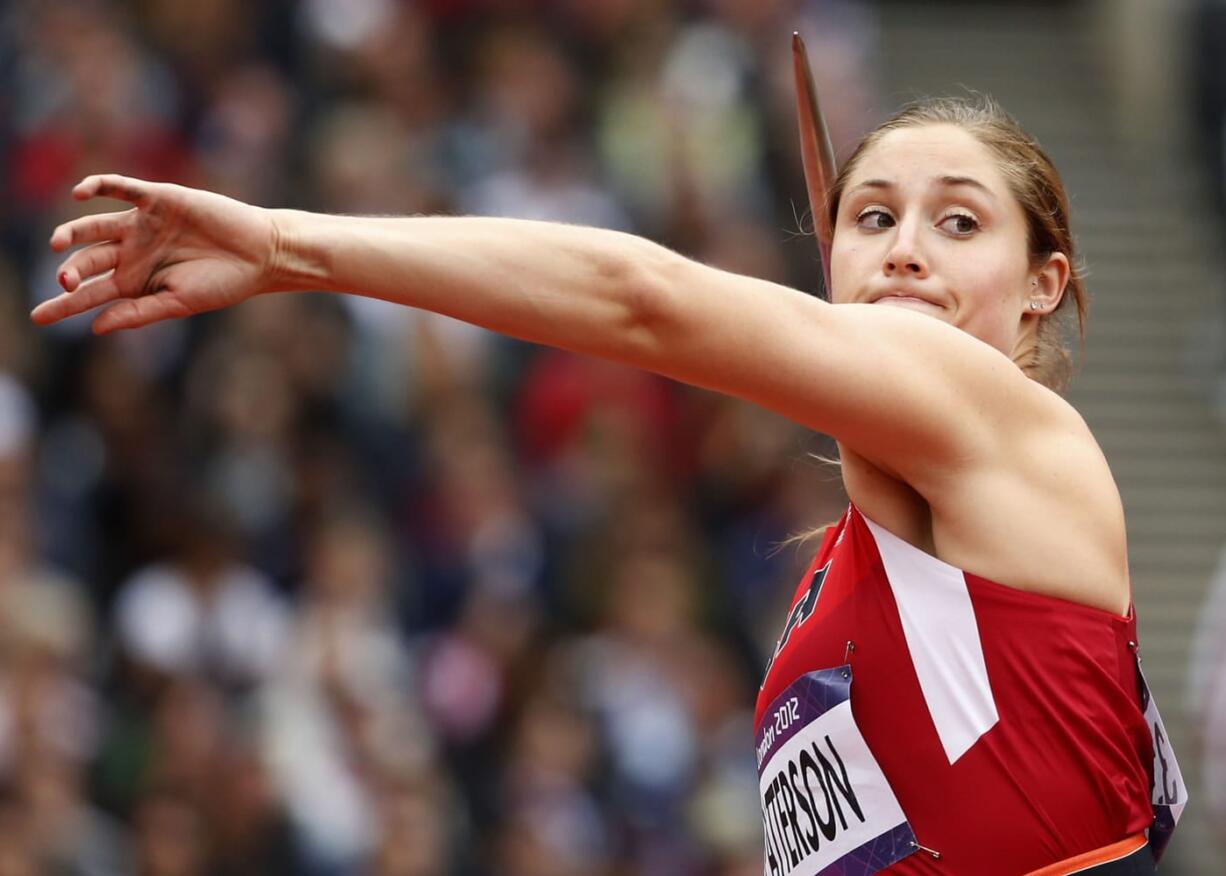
<point x="826" y="806"/>
<point x="1168" y="792"/>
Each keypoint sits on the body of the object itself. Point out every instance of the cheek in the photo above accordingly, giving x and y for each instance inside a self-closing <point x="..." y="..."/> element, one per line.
<point x="997" y="277"/>
<point x="846" y="264"/>
<point x="990" y="288"/>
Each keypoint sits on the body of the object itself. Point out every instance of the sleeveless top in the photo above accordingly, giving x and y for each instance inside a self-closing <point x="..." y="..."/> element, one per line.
<point x="1008" y="724"/>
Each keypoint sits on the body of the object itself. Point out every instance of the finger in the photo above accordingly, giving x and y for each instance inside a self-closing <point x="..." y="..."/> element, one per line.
<point x="136" y="312"/>
<point x="89" y="229"/>
<point x="112" y="185"/>
<point x="87" y="296"/>
<point x="85" y="263"/>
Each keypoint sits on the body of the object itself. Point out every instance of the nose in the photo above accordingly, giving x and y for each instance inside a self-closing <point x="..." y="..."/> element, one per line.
<point x="904" y="255"/>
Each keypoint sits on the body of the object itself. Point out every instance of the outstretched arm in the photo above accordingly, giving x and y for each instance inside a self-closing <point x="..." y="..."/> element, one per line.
<point x="887" y="382"/>
<point x="182" y="251"/>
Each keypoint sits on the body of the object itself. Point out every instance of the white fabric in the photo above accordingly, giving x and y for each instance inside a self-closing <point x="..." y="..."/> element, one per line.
<point x="164" y="621"/>
<point x="1169" y="789"/>
<point x="938" y="621"/>
<point x="880" y="808"/>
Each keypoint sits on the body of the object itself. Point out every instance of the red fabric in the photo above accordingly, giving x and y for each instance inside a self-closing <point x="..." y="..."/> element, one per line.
<point x="1066" y="768"/>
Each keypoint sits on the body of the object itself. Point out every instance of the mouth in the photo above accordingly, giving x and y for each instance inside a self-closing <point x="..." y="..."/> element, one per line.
<point x="897" y="297"/>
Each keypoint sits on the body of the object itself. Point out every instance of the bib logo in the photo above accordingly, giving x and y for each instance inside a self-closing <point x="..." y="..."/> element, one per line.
<point x="801" y="612"/>
<point x="804" y="804"/>
<point x="826" y="805"/>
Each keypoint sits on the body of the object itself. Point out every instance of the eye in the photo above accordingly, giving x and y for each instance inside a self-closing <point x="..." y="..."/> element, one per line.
<point x="960" y="224"/>
<point x="874" y="219"/>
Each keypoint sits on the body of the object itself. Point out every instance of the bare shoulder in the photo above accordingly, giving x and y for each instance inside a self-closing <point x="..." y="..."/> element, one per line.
<point x="1059" y="520"/>
<point x="1040" y="513"/>
<point x="945" y="441"/>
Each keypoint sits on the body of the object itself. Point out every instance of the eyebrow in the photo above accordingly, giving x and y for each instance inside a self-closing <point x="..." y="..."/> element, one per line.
<point x="945" y="180"/>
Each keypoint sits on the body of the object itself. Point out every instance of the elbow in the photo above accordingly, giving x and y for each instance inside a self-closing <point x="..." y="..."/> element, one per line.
<point x="652" y="285"/>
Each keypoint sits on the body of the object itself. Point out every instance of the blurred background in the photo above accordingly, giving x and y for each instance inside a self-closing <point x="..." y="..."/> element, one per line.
<point x="322" y="586"/>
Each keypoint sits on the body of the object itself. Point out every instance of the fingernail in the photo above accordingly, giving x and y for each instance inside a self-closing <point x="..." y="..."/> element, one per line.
<point x="64" y="278"/>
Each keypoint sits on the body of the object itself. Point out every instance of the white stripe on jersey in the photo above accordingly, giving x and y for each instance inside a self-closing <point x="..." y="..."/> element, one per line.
<point x="938" y="622"/>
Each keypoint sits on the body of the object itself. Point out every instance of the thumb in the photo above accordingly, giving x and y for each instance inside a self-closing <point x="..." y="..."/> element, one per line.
<point x="137" y="312"/>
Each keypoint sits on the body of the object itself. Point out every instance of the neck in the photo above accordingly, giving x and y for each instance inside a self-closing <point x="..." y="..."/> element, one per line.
<point x="1025" y="353"/>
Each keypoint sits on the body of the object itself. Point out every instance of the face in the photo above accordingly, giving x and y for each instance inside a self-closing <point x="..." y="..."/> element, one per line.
<point x="927" y="223"/>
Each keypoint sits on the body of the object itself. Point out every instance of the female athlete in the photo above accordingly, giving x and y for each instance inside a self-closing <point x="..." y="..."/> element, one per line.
<point x="955" y="689"/>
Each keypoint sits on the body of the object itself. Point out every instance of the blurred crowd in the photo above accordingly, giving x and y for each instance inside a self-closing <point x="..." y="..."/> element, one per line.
<point x="323" y="586"/>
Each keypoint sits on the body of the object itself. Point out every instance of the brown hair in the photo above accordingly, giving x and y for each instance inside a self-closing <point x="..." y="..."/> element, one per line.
<point x="1034" y="182"/>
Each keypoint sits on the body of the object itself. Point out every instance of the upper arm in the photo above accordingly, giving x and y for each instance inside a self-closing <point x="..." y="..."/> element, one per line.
<point x="913" y="395"/>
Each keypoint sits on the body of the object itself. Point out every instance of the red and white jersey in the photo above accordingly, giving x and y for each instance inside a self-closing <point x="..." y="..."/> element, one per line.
<point x="1008" y="724"/>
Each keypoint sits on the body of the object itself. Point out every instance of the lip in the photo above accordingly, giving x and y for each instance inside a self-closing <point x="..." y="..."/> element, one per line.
<point x="902" y="296"/>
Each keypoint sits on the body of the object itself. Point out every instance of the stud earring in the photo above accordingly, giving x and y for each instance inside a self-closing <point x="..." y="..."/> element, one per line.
<point x="1034" y="305"/>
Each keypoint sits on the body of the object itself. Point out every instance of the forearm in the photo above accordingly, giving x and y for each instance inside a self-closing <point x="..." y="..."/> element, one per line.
<point x="846" y="370"/>
<point x="585" y="289"/>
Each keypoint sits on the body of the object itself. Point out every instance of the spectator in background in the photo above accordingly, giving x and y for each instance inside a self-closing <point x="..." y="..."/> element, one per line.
<point x="339" y="715"/>
<point x="87" y="92"/>
<point x="630" y="672"/>
<point x="367" y="159"/>
<point x="169" y="834"/>
<point x="489" y="537"/>
<point x="49" y="714"/>
<point x="67" y="833"/>
<point x="552" y="823"/>
<point x="593" y="434"/>
<point x="121" y="466"/>
<point x="245" y="399"/>
<point x="202" y="611"/>
<point x="50" y="723"/>
<point x="540" y="169"/>
<point x="245" y="133"/>
<point x="422" y="826"/>
<point x="470" y="524"/>
<point x="249" y="830"/>
<point x="726" y="778"/>
<point x="18" y="856"/>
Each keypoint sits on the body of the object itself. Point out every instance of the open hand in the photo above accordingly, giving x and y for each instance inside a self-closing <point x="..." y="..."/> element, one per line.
<point x="178" y="251"/>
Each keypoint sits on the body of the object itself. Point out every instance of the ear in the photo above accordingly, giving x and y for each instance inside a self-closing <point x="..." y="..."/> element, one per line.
<point x="1047" y="285"/>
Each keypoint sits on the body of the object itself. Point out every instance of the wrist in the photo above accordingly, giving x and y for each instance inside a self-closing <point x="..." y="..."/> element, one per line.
<point x="295" y="263"/>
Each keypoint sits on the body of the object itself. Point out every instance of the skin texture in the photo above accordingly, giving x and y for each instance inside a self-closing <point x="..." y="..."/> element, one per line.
<point x="945" y="441"/>
<point x="927" y="224"/>
<point x="956" y="251"/>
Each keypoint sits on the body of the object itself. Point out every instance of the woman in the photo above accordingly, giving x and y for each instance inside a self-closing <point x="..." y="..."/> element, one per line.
<point x="996" y="723"/>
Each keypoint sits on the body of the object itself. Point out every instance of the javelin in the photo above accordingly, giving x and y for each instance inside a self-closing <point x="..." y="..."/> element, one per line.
<point x="816" y="152"/>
